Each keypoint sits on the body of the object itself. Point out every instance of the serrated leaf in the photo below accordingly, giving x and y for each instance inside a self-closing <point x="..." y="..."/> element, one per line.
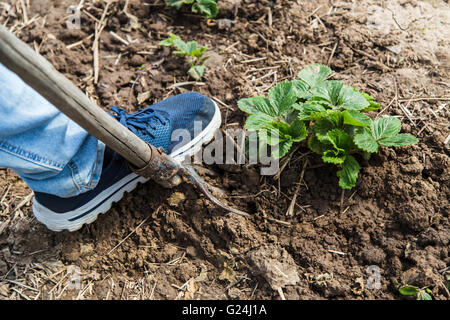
<point x="364" y="140"/>
<point x="180" y="45"/>
<point x="317" y="146"/>
<point x="283" y="127"/>
<point x="341" y="140"/>
<point x="372" y="104"/>
<point x="314" y="74"/>
<point x="386" y="132"/>
<point x="258" y="121"/>
<point x="356" y="118"/>
<point x="409" y="290"/>
<point x="169" y="41"/>
<point x="321" y="129"/>
<point x="401" y="139"/>
<point x="349" y="173"/>
<point x="423" y="295"/>
<point x="175" y="3"/>
<point x="208" y="8"/>
<point x="197" y="72"/>
<point x="197" y="53"/>
<point x="301" y="89"/>
<point x="282" y="97"/>
<point x="385" y="127"/>
<point x="351" y="99"/>
<point x="191" y="46"/>
<point x="257" y="105"/>
<point x="273" y="136"/>
<point x="310" y="111"/>
<point x="334" y="156"/>
<point x="298" y="131"/>
<point x="327" y="92"/>
<point x="282" y="149"/>
<point x="336" y="117"/>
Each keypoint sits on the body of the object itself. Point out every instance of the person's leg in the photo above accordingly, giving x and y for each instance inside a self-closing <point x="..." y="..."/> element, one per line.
<point x="50" y="152"/>
<point x="74" y="176"/>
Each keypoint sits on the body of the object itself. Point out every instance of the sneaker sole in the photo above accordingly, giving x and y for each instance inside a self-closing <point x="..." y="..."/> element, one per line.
<point x="102" y="203"/>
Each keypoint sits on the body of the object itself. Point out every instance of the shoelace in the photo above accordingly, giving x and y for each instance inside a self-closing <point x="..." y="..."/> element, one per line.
<point x="138" y="120"/>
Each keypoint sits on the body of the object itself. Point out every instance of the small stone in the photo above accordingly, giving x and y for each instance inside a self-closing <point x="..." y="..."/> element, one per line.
<point x="224" y="24"/>
<point x="137" y="60"/>
<point x="176" y="199"/>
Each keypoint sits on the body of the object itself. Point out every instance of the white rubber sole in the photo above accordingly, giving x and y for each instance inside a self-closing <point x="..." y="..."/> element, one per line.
<point x="89" y="212"/>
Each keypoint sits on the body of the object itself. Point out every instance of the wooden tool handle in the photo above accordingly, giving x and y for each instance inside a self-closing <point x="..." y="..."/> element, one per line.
<point x="38" y="73"/>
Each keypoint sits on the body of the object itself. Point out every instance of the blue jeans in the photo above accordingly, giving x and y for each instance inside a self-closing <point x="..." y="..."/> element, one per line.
<point x="50" y="152"/>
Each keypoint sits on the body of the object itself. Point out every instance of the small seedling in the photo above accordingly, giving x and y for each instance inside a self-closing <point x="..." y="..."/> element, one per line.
<point x="421" y="294"/>
<point x="207" y="8"/>
<point x="329" y="115"/>
<point x="191" y="51"/>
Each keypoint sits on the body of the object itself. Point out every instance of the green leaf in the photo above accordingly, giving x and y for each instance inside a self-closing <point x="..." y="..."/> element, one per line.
<point x="356" y="118"/>
<point x="327" y="92"/>
<point x="257" y="105"/>
<point x="197" y="72"/>
<point x="181" y="53"/>
<point x="310" y="111"/>
<point x="317" y="146"/>
<point x="283" y="127"/>
<point x="349" y="173"/>
<point x="321" y="129"/>
<point x="274" y="136"/>
<point x="401" y="139"/>
<point x="282" y="97"/>
<point x="364" y="140"/>
<point x="301" y="89"/>
<point x="258" y="121"/>
<point x="409" y="290"/>
<point x="336" y="118"/>
<point x="341" y="140"/>
<point x="386" y="132"/>
<point x="314" y="74"/>
<point x="334" y="156"/>
<point x="372" y="104"/>
<point x="175" y="3"/>
<point x="191" y="46"/>
<point x="181" y="45"/>
<point x="298" y="131"/>
<point x="282" y="149"/>
<point x="197" y="53"/>
<point x="206" y="7"/>
<point x="332" y="120"/>
<point x="169" y="41"/>
<point x="423" y="295"/>
<point x="351" y="99"/>
<point x="385" y="127"/>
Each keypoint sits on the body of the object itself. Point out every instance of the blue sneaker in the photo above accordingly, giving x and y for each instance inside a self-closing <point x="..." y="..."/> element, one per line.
<point x="180" y="125"/>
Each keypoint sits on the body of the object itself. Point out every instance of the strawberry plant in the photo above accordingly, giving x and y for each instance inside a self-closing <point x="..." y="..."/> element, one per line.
<point x="421" y="294"/>
<point x="329" y="114"/>
<point x="191" y="51"/>
<point x="207" y="8"/>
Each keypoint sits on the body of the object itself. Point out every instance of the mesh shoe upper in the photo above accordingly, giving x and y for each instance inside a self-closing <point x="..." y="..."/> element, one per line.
<point x="154" y="125"/>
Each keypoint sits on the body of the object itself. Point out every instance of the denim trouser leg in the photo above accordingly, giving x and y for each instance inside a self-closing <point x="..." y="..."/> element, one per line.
<point x="50" y="152"/>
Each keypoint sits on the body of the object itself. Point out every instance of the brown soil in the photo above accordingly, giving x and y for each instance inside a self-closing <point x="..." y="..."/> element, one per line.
<point x="396" y="218"/>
